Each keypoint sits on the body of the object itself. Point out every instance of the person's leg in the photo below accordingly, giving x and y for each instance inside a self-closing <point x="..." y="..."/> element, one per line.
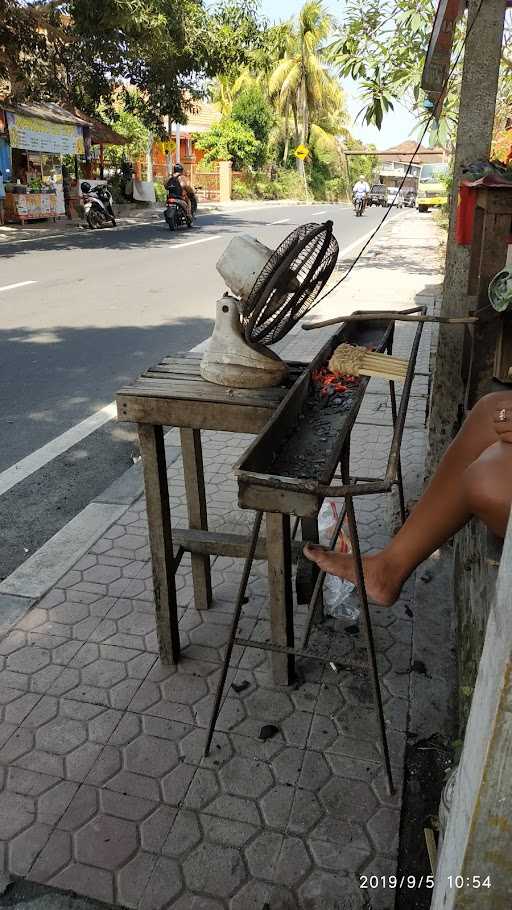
<point x="473" y="478"/>
<point x="2" y="217"/>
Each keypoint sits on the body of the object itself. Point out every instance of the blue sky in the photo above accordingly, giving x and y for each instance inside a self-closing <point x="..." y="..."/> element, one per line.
<point x="397" y="126"/>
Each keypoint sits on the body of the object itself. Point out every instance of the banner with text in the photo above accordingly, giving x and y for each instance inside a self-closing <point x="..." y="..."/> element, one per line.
<point x="37" y="135"/>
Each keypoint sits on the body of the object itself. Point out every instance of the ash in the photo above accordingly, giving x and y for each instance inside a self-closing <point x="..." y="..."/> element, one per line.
<point x="310" y="445"/>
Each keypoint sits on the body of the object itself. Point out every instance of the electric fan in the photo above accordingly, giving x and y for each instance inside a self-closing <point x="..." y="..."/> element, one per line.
<point x="270" y="291"/>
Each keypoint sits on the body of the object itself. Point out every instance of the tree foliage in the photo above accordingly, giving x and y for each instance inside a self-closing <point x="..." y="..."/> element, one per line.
<point x="382" y="46"/>
<point x="230" y="140"/>
<point x="77" y="50"/>
<point x="251" y="108"/>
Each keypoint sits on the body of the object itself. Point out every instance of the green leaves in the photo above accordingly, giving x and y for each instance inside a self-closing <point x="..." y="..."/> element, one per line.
<point x="230" y="140"/>
<point x="382" y="46"/>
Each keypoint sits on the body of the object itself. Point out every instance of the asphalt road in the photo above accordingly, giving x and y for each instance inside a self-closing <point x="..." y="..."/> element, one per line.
<point x="89" y="312"/>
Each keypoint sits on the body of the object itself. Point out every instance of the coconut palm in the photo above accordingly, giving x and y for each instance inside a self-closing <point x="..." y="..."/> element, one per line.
<point x="301" y="82"/>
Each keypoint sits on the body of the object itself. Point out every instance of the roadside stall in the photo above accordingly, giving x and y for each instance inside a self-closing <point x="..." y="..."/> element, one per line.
<point x="40" y="135"/>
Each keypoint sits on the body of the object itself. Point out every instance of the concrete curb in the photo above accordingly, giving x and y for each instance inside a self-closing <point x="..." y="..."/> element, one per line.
<point x="24" y="587"/>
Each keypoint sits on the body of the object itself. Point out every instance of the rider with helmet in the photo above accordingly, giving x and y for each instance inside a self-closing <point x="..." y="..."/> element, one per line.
<point x="179" y="186"/>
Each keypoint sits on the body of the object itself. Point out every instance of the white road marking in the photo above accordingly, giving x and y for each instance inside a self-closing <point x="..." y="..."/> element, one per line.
<point x="314" y="214"/>
<point x="282" y="221"/>
<point x="38" y="459"/>
<point x="179" y="246"/>
<point x="19" y="284"/>
<point x="41" y="457"/>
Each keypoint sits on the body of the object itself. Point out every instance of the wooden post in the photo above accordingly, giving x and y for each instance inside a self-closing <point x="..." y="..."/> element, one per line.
<point x="193" y="470"/>
<point x="493" y="216"/>
<point x="280" y="594"/>
<point x="474" y="136"/>
<point x="478" y="839"/>
<point x="152" y="448"/>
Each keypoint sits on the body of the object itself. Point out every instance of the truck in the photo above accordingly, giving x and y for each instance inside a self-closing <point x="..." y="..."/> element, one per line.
<point x="432" y="187"/>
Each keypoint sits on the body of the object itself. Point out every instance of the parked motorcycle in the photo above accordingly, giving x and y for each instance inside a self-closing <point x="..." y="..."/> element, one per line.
<point x="359" y="203"/>
<point x="98" y="206"/>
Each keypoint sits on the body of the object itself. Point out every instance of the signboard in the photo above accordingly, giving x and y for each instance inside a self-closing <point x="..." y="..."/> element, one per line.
<point x="301" y="152"/>
<point x="37" y="135"/>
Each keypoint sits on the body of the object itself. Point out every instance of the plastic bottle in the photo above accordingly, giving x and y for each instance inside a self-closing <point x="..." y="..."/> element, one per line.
<point x="336" y="590"/>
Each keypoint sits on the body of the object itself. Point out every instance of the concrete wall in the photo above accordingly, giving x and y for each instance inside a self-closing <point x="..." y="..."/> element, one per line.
<point x="478" y="841"/>
<point x="476" y="558"/>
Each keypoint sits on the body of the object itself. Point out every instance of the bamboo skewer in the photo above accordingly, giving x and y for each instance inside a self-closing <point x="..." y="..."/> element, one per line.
<point x="352" y="360"/>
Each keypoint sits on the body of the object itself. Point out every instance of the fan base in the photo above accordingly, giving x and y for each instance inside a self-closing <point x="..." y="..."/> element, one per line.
<point x="230" y="361"/>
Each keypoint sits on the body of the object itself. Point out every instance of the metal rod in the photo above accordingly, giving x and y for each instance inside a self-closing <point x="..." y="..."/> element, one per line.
<point x="361" y="489"/>
<point x="399" y="477"/>
<point x="236" y="618"/>
<point x="394" y="451"/>
<point x="320" y="580"/>
<point x="298" y="652"/>
<point x="397" y="317"/>
<point x="363" y="597"/>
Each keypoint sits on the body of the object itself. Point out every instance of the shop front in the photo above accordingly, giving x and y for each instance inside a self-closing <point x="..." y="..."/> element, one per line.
<point x="40" y="137"/>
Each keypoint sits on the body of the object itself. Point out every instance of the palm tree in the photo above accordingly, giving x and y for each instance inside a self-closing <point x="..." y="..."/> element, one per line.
<point x="301" y="81"/>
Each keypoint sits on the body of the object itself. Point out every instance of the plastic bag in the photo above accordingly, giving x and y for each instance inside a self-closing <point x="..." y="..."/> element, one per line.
<point x="336" y="590"/>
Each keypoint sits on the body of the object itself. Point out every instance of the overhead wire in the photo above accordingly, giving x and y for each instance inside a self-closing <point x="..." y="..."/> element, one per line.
<point x="411" y="161"/>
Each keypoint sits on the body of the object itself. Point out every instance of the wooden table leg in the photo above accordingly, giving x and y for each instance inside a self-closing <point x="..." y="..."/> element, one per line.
<point x="193" y="470"/>
<point x="151" y="440"/>
<point x="281" y="596"/>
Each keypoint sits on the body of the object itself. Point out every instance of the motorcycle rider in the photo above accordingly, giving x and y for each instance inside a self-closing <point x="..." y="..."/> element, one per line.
<point x="361" y="188"/>
<point x="178" y="185"/>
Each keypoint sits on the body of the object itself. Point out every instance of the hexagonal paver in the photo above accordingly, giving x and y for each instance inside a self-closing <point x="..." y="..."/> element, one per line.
<point x="16" y="814"/>
<point x="184" y="688"/>
<point x="349" y="798"/>
<point x="150" y="756"/>
<point x="244" y="777"/>
<point x="185" y="833"/>
<point x="28" y="660"/>
<point x="215" y="870"/>
<point x="263" y="853"/>
<point x="106" y="842"/>
<point x="104" y="673"/>
<point x="61" y="736"/>
<point x="268" y="705"/>
<point x="294" y="862"/>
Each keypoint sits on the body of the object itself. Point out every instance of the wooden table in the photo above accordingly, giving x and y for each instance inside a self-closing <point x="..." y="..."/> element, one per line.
<point x="173" y="394"/>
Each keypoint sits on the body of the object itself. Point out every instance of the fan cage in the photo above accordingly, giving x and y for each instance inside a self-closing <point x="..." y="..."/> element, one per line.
<point x="290" y="282"/>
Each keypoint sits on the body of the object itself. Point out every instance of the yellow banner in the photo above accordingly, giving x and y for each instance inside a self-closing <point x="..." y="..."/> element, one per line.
<point x="37" y="135"/>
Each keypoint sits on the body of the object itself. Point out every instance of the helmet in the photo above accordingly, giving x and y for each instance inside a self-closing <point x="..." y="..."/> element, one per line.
<point x="85" y="187"/>
<point x="177" y="169"/>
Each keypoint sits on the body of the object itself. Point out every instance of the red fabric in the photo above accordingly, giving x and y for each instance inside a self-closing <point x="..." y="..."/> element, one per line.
<point x="465" y="214"/>
<point x="467" y="204"/>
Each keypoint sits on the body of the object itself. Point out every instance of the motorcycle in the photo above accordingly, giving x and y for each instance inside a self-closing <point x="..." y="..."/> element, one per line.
<point x="98" y="206"/>
<point x="359" y="204"/>
<point x="176" y="214"/>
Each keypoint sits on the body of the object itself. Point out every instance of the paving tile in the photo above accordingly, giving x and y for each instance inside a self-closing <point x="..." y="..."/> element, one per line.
<point x="60" y="737"/>
<point x="32" y="662"/>
<point x="214" y="869"/>
<point x="104" y="675"/>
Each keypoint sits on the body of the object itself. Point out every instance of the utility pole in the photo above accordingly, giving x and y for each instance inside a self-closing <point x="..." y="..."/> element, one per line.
<point x="479" y="87"/>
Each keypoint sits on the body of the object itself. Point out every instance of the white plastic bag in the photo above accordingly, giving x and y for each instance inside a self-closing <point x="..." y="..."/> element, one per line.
<point x="336" y="590"/>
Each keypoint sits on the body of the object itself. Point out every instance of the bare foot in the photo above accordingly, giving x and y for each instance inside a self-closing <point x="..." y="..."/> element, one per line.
<point x="383" y="585"/>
